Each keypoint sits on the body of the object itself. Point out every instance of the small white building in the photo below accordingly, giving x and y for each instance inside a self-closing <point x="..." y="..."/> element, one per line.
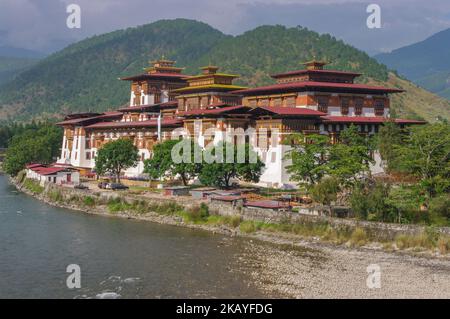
<point x="53" y="174"/>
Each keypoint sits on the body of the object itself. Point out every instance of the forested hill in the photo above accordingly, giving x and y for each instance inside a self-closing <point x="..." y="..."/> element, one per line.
<point x="83" y="76"/>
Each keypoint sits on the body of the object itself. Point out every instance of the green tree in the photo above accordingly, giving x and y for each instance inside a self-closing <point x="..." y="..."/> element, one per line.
<point x="116" y="156"/>
<point x="350" y="158"/>
<point x="389" y="136"/>
<point x="325" y="192"/>
<point x="162" y="163"/>
<point x="309" y="157"/>
<point x="220" y="171"/>
<point x="426" y="151"/>
<point x="369" y="200"/>
<point x="39" y="145"/>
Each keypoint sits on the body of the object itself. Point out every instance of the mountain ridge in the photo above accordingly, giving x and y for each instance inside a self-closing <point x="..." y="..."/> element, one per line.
<point x="425" y="63"/>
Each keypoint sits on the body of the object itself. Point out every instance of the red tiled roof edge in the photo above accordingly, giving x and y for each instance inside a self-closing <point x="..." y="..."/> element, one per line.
<point x="148" y="123"/>
<point x="301" y="111"/>
<point x="303" y="71"/>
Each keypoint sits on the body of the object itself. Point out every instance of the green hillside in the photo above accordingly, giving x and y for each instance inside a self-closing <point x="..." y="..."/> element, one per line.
<point x="84" y="76"/>
<point x="11" y="66"/>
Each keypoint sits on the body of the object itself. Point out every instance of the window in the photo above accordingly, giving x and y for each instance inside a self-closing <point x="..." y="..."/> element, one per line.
<point x="359" y="103"/>
<point x="379" y="103"/>
<point x="87" y="144"/>
<point x="379" y="107"/>
<point x="88" y="155"/>
<point x="322" y="102"/>
<point x="345" y="102"/>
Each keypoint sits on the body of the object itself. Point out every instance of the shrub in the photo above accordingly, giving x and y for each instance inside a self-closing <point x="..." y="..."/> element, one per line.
<point x="21" y="176"/>
<point x="440" y="209"/>
<point x="325" y="192"/>
<point x="56" y="196"/>
<point x="247" y="227"/>
<point x="89" y="201"/>
<point x="443" y="244"/>
<point x="368" y="201"/>
<point x="204" y="210"/>
<point x="359" y="237"/>
<point x="233" y="221"/>
<point x="33" y="186"/>
<point x="118" y="205"/>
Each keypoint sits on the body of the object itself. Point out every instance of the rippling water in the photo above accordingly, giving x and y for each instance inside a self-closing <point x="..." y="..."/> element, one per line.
<point x="118" y="258"/>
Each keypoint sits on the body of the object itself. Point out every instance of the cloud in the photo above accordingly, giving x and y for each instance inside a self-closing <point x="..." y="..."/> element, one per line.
<point x="41" y="24"/>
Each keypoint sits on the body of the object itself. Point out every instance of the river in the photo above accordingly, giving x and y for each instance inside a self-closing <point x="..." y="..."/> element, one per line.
<point x="118" y="258"/>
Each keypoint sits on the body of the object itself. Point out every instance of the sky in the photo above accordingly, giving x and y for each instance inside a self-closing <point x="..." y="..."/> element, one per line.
<point x="40" y="25"/>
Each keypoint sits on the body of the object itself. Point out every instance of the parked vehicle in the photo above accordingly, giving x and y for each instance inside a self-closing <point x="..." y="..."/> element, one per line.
<point x="81" y="186"/>
<point x="103" y="185"/>
<point x="117" y="186"/>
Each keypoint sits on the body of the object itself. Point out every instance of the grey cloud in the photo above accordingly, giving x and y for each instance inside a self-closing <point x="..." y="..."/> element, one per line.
<point x="40" y="24"/>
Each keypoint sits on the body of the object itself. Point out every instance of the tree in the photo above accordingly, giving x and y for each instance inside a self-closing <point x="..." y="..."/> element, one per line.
<point x="351" y="157"/>
<point x="162" y="164"/>
<point x="309" y="157"/>
<point x="39" y="144"/>
<point x="116" y="156"/>
<point x="389" y="136"/>
<point x="325" y="192"/>
<point x="220" y="171"/>
<point x="426" y="151"/>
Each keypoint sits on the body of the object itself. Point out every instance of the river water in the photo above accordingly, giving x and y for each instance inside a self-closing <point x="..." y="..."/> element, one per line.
<point x="117" y="258"/>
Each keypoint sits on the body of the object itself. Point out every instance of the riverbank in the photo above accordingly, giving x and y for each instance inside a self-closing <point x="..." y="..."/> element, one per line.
<point x="291" y="265"/>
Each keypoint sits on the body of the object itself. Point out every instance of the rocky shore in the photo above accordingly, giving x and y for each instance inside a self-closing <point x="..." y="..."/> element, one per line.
<point x="292" y="267"/>
<point x="335" y="272"/>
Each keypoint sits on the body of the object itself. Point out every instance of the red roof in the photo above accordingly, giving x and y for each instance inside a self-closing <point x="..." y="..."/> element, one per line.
<point x="173" y="103"/>
<point x="405" y="121"/>
<point x="227" y="198"/>
<point x="77" y="121"/>
<point x="366" y="119"/>
<point x="138" y="108"/>
<point x="219" y="110"/>
<point x="304" y="71"/>
<point x="87" y="120"/>
<point x="148" y="123"/>
<point x="289" y="111"/>
<point x="268" y="204"/>
<point x="177" y="76"/>
<point x="146" y="107"/>
<point x="43" y="170"/>
<point x="317" y="85"/>
<point x="33" y="165"/>
<point x="110" y="114"/>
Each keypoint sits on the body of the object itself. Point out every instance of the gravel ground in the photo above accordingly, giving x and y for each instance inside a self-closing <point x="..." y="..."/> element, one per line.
<point x="335" y="272"/>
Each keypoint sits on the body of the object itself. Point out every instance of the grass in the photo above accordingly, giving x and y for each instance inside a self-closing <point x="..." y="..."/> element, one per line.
<point x="89" y="201"/>
<point x="359" y="237"/>
<point x="429" y="239"/>
<point x="56" y="196"/>
<point x="33" y="186"/>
